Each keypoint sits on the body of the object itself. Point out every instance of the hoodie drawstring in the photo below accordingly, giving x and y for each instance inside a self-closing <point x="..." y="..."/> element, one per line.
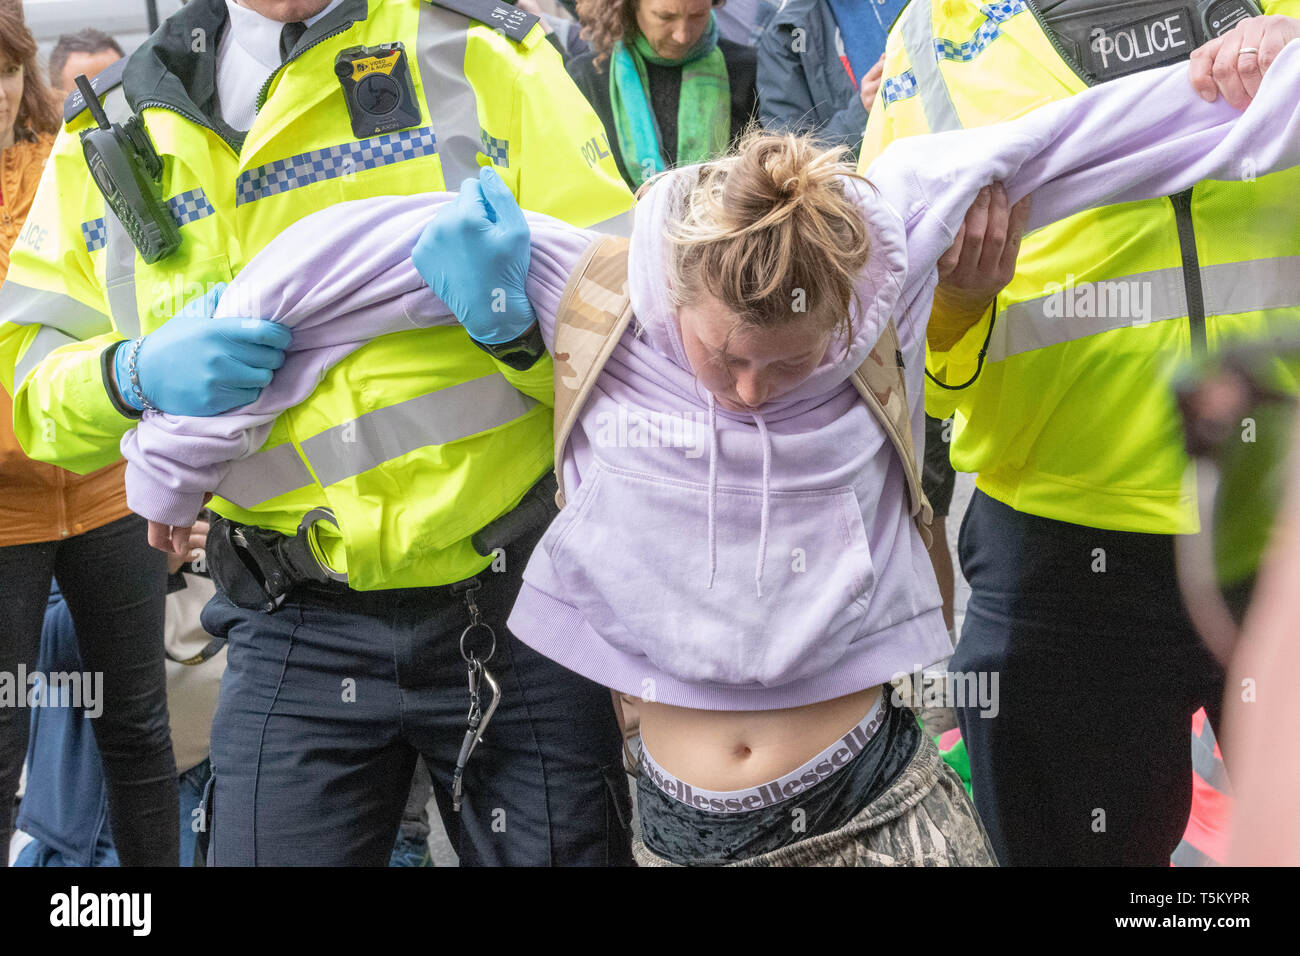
<point x="762" y="523"/>
<point x="713" y="487"/>
<point x="760" y="561"/>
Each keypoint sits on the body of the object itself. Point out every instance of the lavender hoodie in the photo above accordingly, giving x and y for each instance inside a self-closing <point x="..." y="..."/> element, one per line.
<point x="710" y="559"/>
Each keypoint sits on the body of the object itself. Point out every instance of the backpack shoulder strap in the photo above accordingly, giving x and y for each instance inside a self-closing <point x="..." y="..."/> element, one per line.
<point x="880" y="382"/>
<point x="594" y="311"/>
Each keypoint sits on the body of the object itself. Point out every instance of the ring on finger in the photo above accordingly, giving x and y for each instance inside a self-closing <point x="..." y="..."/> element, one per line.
<point x="1248" y="49"/>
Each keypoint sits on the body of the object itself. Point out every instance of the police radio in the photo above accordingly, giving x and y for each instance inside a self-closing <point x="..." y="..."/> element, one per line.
<point x="1113" y="38"/>
<point x="128" y="171"/>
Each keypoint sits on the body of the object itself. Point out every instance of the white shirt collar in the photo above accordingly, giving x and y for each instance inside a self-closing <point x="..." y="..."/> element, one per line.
<point x="259" y="36"/>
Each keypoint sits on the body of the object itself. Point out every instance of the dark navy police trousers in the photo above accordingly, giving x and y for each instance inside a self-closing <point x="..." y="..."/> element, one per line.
<point x="1086" y="759"/>
<point x="327" y="701"/>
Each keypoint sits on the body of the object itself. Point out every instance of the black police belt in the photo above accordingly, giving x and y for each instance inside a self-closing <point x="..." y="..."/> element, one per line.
<point x="256" y="567"/>
<point x="1110" y="39"/>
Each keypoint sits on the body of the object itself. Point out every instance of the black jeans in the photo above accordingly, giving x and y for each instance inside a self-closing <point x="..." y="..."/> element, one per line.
<point x="1087" y="760"/>
<point x="327" y="700"/>
<point x="689" y="836"/>
<point x="115" y="586"/>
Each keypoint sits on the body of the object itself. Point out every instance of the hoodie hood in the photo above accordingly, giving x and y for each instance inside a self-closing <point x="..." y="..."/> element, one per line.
<point x="879" y="288"/>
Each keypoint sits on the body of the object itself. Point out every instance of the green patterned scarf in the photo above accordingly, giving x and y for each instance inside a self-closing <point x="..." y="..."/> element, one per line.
<point x="703" y="110"/>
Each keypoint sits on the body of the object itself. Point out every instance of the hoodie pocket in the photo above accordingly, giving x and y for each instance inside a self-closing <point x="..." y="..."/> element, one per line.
<point x="635" y="556"/>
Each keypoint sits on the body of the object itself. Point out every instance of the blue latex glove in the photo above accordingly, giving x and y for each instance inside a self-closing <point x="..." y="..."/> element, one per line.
<point x="197" y="365"/>
<point x="474" y="256"/>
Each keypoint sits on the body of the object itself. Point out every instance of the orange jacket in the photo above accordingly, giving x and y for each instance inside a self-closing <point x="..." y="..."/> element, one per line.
<point x="21" y="166"/>
<point x="40" y="502"/>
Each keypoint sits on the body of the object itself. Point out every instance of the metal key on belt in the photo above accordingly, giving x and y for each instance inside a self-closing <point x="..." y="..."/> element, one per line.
<point x="478" y="718"/>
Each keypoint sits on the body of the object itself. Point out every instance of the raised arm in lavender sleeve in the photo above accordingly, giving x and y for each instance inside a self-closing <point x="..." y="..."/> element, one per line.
<point x="1141" y="137"/>
<point x="336" y="294"/>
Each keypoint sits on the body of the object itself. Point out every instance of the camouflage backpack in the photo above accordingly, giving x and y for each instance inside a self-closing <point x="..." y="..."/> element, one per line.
<point x="595" y="309"/>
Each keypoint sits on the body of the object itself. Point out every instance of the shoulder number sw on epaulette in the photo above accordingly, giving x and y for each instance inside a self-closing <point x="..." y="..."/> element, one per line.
<point x="506" y="17"/>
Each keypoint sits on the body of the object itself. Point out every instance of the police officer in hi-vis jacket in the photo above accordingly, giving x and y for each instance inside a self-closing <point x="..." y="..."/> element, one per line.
<point x="361" y="597"/>
<point x="1059" y="372"/>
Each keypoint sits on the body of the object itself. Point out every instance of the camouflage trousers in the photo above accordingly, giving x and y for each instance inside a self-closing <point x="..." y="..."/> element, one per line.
<point x="923" y="818"/>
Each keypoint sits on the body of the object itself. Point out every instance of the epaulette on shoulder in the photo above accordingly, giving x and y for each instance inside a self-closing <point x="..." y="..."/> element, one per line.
<point x="498" y="14"/>
<point x="103" y="81"/>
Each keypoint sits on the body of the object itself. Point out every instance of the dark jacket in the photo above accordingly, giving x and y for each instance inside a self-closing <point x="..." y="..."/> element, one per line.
<point x="665" y="90"/>
<point x="802" y="85"/>
<point x="66" y="804"/>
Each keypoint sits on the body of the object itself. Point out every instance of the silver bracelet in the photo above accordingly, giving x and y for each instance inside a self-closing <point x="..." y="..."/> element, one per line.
<point x="146" y="405"/>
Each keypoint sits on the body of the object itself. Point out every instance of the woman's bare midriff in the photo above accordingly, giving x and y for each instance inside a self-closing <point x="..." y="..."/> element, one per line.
<point x="736" y="749"/>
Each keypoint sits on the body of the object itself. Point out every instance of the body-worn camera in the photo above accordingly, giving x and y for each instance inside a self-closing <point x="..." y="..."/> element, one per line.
<point x="378" y="88"/>
<point x="127" y="170"/>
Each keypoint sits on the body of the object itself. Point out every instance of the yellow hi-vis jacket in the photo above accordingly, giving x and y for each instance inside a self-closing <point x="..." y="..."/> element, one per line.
<point x="414" y="441"/>
<point x="1069" y="412"/>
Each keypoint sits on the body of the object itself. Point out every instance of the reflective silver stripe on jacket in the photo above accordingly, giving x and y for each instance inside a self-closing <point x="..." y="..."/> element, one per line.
<point x="1078" y="310"/>
<point x="23" y="305"/>
<point x="355" y="447"/>
<point x="66" y="320"/>
<point x="119" y="250"/>
<point x="119" y="276"/>
<point x="264" y="475"/>
<point x="453" y="107"/>
<point x="917" y="28"/>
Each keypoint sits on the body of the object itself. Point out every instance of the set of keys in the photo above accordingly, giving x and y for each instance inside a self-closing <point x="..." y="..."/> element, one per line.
<point x="478" y="674"/>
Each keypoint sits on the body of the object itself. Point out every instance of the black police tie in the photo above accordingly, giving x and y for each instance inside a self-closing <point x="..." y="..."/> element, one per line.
<point x="290" y="34"/>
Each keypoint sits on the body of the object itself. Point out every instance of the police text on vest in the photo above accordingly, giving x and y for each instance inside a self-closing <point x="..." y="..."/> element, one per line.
<point x="1140" y="41"/>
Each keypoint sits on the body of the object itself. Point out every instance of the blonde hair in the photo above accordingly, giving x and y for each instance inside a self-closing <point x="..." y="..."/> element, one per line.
<point x="771" y="233"/>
